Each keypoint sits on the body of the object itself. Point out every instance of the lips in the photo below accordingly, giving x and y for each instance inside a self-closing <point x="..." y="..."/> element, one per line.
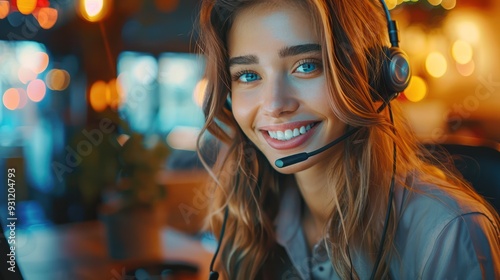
<point x="288" y="136"/>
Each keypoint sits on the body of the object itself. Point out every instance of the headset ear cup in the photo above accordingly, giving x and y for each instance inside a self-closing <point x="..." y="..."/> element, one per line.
<point x="397" y="71"/>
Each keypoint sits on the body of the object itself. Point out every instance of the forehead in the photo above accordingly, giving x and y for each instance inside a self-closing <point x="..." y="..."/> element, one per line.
<point x="269" y="27"/>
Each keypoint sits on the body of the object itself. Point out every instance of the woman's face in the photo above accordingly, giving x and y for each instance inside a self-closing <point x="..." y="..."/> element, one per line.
<point x="279" y="91"/>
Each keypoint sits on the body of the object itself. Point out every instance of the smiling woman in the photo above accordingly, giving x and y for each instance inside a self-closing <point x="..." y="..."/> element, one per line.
<point x="287" y="77"/>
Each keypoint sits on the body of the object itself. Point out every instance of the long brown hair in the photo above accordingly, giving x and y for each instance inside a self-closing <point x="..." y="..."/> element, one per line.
<point x="353" y="34"/>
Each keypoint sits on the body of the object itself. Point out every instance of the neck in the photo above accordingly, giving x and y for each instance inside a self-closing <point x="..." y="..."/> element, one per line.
<point x="317" y="195"/>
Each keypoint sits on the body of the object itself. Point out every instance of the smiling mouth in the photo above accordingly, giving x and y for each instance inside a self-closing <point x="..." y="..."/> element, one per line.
<point x="290" y="133"/>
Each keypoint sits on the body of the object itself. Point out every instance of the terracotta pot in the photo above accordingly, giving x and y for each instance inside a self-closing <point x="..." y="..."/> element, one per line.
<point x="187" y="199"/>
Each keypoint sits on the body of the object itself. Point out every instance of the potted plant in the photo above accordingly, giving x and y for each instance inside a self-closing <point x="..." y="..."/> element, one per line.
<point x="130" y="208"/>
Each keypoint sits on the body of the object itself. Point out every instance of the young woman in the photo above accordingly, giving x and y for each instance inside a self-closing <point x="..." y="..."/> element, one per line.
<point x="291" y="76"/>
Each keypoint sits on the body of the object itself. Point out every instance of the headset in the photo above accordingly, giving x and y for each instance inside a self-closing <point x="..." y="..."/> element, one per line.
<point x="394" y="78"/>
<point x="396" y="71"/>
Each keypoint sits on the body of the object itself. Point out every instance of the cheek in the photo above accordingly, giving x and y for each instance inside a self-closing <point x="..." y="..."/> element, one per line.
<point x="315" y="94"/>
<point x="242" y="113"/>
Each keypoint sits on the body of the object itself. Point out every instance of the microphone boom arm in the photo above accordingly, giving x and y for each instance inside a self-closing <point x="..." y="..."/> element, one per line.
<point x="293" y="159"/>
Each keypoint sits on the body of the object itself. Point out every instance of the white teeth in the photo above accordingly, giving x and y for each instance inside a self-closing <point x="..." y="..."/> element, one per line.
<point x="280" y="135"/>
<point x="289" y="133"/>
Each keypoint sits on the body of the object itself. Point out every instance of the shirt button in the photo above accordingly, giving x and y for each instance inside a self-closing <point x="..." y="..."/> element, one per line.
<point x="321" y="268"/>
<point x="320" y="253"/>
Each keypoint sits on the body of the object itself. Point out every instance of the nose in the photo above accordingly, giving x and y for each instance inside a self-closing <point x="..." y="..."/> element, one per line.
<point x="279" y="99"/>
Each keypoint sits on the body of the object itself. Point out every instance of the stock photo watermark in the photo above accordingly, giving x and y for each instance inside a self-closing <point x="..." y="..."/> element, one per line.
<point x="201" y="199"/>
<point x="458" y="112"/>
<point x="11" y="219"/>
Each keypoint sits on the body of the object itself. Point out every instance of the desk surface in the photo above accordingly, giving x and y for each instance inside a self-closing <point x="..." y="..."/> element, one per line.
<point x="79" y="252"/>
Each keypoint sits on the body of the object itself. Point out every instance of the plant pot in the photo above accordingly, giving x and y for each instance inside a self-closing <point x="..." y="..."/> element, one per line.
<point x="134" y="233"/>
<point x="188" y="199"/>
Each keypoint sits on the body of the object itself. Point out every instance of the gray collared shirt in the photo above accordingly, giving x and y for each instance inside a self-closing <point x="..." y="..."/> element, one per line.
<point x="289" y="234"/>
<point x="438" y="237"/>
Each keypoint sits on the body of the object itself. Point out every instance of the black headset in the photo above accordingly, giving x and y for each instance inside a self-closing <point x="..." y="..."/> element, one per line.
<point x="394" y="79"/>
<point x="396" y="71"/>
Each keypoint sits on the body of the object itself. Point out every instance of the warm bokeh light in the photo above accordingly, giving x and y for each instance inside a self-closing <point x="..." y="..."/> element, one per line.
<point x="434" y="2"/>
<point x="466" y="69"/>
<point x="199" y="92"/>
<point x="26" y="7"/>
<point x="113" y="94"/>
<point x="462" y="52"/>
<point x="183" y="138"/>
<point x="11" y="99"/>
<point x="436" y="64"/>
<point x="122" y="139"/>
<point x="46" y="17"/>
<point x="391" y="4"/>
<point x="23" y="98"/>
<point x="35" y="61"/>
<point x="120" y="85"/>
<point x="94" y="10"/>
<point x="97" y="96"/>
<point x="468" y="31"/>
<point x="4" y="9"/>
<point x="93" y="7"/>
<point x="417" y="89"/>
<point x="415" y="39"/>
<point x="25" y="75"/>
<point x="57" y="79"/>
<point x="449" y="4"/>
<point x="36" y="90"/>
<point x="43" y="62"/>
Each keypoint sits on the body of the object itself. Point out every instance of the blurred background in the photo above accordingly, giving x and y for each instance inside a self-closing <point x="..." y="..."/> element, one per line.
<point x="79" y="79"/>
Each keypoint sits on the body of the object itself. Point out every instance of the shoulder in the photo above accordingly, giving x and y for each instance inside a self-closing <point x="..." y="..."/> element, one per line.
<point x="423" y="202"/>
<point x="441" y="232"/>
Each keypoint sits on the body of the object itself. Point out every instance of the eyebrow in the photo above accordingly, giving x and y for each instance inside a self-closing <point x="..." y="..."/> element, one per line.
<point x="284" y="52"/>
<point x="245" y="60"/>
<point x="299" y="49"/>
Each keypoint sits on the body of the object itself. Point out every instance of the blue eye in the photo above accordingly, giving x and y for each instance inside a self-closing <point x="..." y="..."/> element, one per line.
<point x="247" y="77"/>
<point x="307" y="67"/>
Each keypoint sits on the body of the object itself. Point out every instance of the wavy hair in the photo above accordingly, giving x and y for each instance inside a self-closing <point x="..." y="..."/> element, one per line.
<point x="353" y="35"/>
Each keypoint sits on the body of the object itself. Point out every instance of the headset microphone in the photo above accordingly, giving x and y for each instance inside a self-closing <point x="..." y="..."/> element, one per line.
<point x="293" y="159"/>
